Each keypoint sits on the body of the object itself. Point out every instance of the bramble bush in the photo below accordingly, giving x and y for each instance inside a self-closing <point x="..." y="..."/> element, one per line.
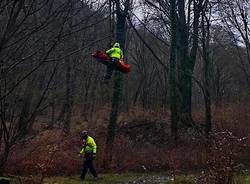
<point x="223" y="158"/>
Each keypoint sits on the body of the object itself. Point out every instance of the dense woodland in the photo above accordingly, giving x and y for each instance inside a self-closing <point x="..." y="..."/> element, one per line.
<point x="190" y="76"/>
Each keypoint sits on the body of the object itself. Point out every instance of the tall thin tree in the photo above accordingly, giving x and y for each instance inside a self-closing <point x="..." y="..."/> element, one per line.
<point x="121" y="15"/>
<point x="172" y="72"/>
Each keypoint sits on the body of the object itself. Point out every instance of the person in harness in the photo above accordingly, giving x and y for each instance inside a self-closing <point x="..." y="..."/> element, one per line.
<point x="115" y="53"/>
<point x="89" y="151"/>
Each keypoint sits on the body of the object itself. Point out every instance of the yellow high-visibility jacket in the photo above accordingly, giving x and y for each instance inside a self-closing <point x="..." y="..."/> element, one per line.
<point x="115" y="52"/>
<point x="89" y="146"/>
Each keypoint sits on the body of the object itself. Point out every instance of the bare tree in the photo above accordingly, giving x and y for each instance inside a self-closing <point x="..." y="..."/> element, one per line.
<point x="121" y="14"/>
<point x="235" y="17"/>
<point x="173" y="71"/>
<point x="33" y="39"/>
<point x="206" y="39"/>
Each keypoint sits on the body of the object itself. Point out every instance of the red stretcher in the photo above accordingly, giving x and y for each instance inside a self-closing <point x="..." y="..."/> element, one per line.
<point x="103" y="58"/>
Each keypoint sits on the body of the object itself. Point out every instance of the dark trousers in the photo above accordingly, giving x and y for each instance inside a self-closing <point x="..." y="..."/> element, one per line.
<point x="110" y="68"/>
<point x="88" y="165"/>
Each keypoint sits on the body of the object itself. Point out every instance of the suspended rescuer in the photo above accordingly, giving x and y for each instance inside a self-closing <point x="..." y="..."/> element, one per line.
<point x="115" y="53"/>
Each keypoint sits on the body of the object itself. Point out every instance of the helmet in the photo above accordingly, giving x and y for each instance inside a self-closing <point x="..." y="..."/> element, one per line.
<point x="117" y="45"/>
<point x="84" y="134"/>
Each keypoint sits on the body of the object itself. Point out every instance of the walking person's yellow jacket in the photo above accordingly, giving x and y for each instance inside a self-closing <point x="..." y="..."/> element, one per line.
<point x="89" y="146"/>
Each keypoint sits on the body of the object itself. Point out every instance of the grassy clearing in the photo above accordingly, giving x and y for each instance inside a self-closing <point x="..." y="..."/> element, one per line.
<point x="5" y="178"/>
<point x="242" y="179"/>
<point x="11" y="180"/>
<point x="248" y="179"/>
<point x="183" y="179"/>
<point x="105" y="179"/>
<point x="122" y="178"/>
<point x="190" y="179"/>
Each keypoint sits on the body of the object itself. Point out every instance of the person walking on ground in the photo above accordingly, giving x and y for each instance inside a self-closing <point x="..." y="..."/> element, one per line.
<point x="89" y="152"/>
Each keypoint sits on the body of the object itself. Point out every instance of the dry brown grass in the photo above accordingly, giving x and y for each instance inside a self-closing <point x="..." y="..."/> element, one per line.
<point x="143" y="143"/>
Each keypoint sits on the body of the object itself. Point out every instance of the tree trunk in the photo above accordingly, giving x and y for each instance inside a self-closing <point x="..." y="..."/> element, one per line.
<point x="23" y="122"/>
<point x="172" y="73"/>
<point x="206" y="69"/>
<point x="186" y="60"/>
<point x="184" y="65"/>
<point x="4" y="157"/>
<point x="118" y="82"/>
<point x="66" y="112"/>
<point x="53" y="109"/>
<point x="69" y="95"/>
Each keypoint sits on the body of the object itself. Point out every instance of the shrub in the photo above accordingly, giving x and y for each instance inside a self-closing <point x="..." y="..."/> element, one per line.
<point x="223" y="155"/>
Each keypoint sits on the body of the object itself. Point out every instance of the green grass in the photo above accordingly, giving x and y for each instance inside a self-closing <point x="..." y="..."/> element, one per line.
<point x="244" y="179"/>
<point x="189" y="179"/>
<point x="247" y="179"/>
<point x="12" y="181"/>
<point x="119" y="178"/>
<point x="105" y="179"/>
<point x="183" y="179"/>
<point x="5" y="178"/>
